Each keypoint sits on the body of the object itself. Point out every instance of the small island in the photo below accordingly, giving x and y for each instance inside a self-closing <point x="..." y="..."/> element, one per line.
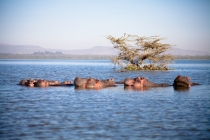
<point x="136" y="56"/>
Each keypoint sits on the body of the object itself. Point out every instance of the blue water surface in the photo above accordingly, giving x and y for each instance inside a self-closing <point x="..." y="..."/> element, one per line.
<point x="109" y="113"/>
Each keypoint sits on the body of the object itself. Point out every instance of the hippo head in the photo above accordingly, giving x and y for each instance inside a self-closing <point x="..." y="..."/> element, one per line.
<point x="29" y="83"/>
<point x="146" y="82"/>
<point x="42" y="83"/>
<point x="139" y="82"/>
<point x="80" y="82"/>
<point x="23" y="82"/>
<point x="98" y="84"/>
<point x="129" y="82"/>
<point x="91" y="83"/>
<point x="108" y="82"/>
<point x="182" y="81"/>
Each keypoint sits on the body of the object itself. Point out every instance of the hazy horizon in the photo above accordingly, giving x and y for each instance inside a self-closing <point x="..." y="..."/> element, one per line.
<point x="70" y="25"/>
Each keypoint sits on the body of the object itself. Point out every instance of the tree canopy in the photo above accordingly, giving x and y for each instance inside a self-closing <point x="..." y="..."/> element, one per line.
<point x="134" y="51"/>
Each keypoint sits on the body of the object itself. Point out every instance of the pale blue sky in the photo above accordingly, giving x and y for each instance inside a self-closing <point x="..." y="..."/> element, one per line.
<point x="79" y="24"/>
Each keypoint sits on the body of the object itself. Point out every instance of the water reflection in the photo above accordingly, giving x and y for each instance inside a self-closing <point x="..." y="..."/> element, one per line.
<point x="83" y="88"/>
<point x="181" y="89"/>
<point x="136" y="88"/>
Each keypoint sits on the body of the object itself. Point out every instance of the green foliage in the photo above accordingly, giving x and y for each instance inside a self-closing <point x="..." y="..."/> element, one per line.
<point x="131" y="67"/>
<point x="146" y="48"/>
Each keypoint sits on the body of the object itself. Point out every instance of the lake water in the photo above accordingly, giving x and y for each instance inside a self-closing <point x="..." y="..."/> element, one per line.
<point x="110" y="113"/>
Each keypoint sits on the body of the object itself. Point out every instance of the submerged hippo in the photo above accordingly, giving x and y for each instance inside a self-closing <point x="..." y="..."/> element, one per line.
<point x="23" y="82"/>
<point x="43" y="83"/>
<point x="104" y="83"/>
<point x="142" y="82"/>
<point x="92" y="83"/>
<point x="80" y="82"/>
<point x="29" y="83"/>
<point x="53" y="82"/>
<point x="183" y="81"/>
<point x="129" y="81"/>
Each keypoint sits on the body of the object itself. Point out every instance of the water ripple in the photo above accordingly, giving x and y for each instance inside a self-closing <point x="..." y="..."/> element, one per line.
<point x="111" y="113"/>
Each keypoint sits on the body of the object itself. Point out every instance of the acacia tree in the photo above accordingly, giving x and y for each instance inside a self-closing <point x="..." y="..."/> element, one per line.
<point x="146" y="48"/>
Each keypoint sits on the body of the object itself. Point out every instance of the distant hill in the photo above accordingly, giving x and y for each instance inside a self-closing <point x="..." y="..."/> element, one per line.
<point x="177" y="51"/>
<point x="19" y="49"/>
<point x="97" y="50"/>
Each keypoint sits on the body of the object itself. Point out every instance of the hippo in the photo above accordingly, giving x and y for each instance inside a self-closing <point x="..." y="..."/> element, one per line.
<point x="29" y="83"/>
<point x="183" y="81"/>
<point x="45" y="83"/>
<point x="23" y="82"/>
<point x="80" y="82"/>
<point x="105" y="83"/>
<point x="147" y="83"/>
<point x="42" y="83"/>
<point x="85" y="82"/>
<point x="109" y="82"/>
<point x="92" y="83"/>
<point x="129" y="81"/>
<point x="53" y="82"/>
<point x="66" y="83"/>
<point x="142" y="82"/>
